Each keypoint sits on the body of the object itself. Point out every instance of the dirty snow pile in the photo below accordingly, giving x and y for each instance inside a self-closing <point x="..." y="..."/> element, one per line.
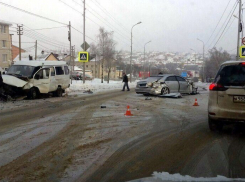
<point x="95" y="86"/>
<point x="177" y="177"/>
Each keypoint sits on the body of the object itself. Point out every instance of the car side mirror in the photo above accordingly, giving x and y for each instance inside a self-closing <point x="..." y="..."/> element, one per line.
<point x="37" y="77"/>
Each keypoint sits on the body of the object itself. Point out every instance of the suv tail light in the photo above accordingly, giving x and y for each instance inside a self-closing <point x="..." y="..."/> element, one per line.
<point x="217" y="87"/>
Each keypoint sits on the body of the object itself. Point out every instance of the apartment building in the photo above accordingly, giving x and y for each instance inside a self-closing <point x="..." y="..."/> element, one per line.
<point x="5" y="45"/>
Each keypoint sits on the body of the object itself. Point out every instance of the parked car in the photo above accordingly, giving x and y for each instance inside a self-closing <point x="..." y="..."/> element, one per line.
<point x="88" y="77"/>
<point x="165" y="84"/>
<point x="227" y="95"/>
<point x="36" y="77"/>
<point x="76" y="75"/>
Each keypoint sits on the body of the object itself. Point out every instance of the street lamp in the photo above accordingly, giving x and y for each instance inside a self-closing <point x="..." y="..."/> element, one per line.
<point x="144" y="54"/>
<point x="202" y="59"/>
<point x="132" y="50"/>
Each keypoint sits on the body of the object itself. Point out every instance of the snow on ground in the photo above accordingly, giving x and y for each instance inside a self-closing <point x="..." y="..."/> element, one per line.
<point x="178" y="177"/>
<point x="165" y="176"/>
<point x="77" y="86"/>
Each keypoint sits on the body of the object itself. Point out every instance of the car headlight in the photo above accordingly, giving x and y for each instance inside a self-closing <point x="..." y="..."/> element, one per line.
<point x="149" y="84"/>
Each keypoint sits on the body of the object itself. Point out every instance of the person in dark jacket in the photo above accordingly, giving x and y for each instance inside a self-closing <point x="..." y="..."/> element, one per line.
<point x="125" y="80"/>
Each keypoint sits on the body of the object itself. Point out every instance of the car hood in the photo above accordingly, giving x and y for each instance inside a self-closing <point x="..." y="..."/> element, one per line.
<point x="13" y="81"/>
<point x="142" y="81"/>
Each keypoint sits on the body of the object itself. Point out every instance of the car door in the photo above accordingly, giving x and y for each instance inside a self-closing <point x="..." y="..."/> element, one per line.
<point x="60" y="75"/>
<point x="183" y="85"/>
<point x="172" y="83"/>
<point x="42" y="80"/>
<point x="53" y="81"/>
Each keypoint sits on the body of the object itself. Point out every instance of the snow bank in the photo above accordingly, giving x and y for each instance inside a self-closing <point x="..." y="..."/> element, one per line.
<point x="177" y="177"/>
<point x="95" y="86"/>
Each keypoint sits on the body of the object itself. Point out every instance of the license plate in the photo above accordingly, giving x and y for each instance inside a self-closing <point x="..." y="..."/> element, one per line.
<point x="239" y="99"/>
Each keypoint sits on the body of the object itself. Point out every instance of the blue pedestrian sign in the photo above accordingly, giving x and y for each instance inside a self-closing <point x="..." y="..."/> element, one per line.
<point x="242" y="52"/>
<point x="184" y="74"/>
<point x="83" y="57"/>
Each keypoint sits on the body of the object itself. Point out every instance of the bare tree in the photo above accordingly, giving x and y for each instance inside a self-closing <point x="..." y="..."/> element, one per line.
<point x="106" y="48"/>
<point x="213" y="63"/>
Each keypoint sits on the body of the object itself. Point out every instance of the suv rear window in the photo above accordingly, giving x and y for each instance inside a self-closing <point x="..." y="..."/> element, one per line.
<point x="231" y="75"/>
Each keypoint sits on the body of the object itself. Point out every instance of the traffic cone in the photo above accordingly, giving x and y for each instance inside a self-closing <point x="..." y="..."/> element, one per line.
<point x="196" y="103"/>
<point x="128" y="112"/>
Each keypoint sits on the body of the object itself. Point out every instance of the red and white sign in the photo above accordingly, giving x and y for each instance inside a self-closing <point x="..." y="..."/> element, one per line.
<point x="243" y="40"/>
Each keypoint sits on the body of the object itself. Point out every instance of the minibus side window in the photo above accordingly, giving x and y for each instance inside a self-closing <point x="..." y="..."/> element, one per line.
<point x="59" y="71"/>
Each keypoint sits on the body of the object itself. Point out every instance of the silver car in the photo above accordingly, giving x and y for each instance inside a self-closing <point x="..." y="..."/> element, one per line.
<point x="164" y="84"/>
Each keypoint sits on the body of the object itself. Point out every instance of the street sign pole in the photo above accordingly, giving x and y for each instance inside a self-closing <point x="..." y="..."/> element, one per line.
<point x="84" y="44"/>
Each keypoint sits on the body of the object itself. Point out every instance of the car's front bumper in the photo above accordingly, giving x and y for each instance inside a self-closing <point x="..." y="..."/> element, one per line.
<point x="147" y="90"/>
<point x="143" y="90"/>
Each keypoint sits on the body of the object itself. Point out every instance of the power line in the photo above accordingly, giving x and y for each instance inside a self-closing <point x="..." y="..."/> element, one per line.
<point x="219" y="21"/>
<point x="86" y="18"/>
<point x="44" y="37"/>
<point x="105" y="21"/>
<point x="45" y="42"/>
<point x="47" y="28"/>
<point x="82" y="34"/>
<point x="226" y="25"/>
<point x="30" y="13"/>
<point x="229" y="15"/>
<point x="108" y="14"/>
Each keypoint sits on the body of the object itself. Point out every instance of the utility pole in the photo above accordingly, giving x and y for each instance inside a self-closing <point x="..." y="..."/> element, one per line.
<point x="36" y="50"/>
<point x="95" y="66"/>
<point x="69" y="38"/>
<point x="132" y="50"/>
<point x="11" y="47"/>
<point x="102" y="61"/>
<point x="84" y="45"/>
<point x="239" y="28"/>
<point x="144" y="53"/>
<point x="20" y="32"/>
<point x="73" y="57"/>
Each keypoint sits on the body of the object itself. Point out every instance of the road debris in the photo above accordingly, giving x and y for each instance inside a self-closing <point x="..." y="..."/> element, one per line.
<point x="172" y="95"/>
<point x="148" y="98"/>
<point x="88" y="91"/>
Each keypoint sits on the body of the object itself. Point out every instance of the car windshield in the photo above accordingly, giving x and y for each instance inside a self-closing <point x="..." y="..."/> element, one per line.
<point x="232" y="75"/>
<point x="22" y="70"/>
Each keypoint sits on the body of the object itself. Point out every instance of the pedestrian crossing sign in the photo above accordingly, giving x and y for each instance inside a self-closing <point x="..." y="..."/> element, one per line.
<point x="242" y="52"/>
<point x="83" y="57"/>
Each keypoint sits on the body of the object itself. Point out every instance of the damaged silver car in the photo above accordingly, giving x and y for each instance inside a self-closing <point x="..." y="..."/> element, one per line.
<point x="165" y="84"/>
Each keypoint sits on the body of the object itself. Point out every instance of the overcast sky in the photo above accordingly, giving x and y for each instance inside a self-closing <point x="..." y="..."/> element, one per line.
<point x="171" y="25"/>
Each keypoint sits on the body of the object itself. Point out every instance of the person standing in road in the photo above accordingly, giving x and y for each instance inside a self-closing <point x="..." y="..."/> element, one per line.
<point x="125" y="80"/>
